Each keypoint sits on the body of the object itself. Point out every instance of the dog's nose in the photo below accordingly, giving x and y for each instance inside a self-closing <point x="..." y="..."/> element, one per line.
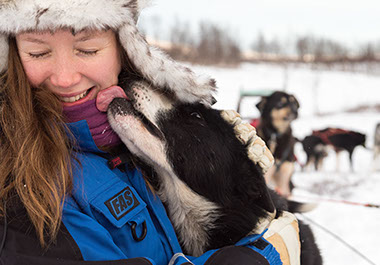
<point x="213" y="101"/>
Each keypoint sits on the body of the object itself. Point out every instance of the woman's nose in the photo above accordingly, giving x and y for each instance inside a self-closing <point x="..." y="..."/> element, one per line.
<point x="65" y="73"/>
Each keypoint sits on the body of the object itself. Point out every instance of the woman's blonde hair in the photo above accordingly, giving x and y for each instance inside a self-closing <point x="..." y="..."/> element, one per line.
<point x="35" y="162"/>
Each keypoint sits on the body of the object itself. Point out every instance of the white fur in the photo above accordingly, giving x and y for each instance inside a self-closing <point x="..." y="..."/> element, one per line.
<point x="24" y="15"/>
<point x="135" y="135"/>
<point x="192" y="215"/>
<point x="120" y="15"/>
<point x="151" y="101"/>
<point x="163" y="71"/>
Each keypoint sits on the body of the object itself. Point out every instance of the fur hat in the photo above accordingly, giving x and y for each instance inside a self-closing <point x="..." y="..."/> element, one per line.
<point x="119" y="15"/>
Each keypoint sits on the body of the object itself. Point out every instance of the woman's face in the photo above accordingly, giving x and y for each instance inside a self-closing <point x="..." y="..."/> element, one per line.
<point x="74" y="67"/>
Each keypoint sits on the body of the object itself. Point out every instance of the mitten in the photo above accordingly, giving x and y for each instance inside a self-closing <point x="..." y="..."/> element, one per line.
<point x="283" y="234"/>
<point x="257" y="151"/>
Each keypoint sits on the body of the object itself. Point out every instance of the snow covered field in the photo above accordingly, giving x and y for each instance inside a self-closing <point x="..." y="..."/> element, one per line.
<point x="329" y="93"/>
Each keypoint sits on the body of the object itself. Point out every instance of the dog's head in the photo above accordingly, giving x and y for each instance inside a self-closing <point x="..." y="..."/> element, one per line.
<point x="278" y="110"/>
<point x="360" y="139"/>
<point x="187" y="140"/>
<point x="314" y="146"/>
<point x="377" y="134"/>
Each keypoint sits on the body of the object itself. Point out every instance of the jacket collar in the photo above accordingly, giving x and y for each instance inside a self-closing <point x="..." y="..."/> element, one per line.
<point x="80" y="131"/>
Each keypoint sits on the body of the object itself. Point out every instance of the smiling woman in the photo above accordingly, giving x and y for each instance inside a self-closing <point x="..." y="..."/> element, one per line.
<point x="55" y="58"/>
<point x="61" y="63"/>
<point x="71" y="66"/>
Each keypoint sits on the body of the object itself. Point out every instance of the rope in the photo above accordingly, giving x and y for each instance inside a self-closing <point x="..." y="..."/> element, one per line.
<point x="370" y="205"/>
<point x="338" y="238"/>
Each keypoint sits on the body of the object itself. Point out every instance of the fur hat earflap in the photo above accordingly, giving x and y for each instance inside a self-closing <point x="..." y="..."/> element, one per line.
<point x="119" y="15"/>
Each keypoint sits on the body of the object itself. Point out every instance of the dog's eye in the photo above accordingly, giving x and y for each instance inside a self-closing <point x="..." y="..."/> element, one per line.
<point x="196" y="115"/>
<point x="280" y="105"/>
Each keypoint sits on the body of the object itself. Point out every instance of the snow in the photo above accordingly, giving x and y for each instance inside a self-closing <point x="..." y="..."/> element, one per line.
<point x="324" y="97"/>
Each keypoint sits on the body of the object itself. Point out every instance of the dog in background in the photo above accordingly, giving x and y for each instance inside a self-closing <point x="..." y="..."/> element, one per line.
<point x="336" y="138"/>
<point x="277" y="112"/>
<point x="376" y="148"/>
<point x="213" y="191"/>
<point x="316" y="150"/>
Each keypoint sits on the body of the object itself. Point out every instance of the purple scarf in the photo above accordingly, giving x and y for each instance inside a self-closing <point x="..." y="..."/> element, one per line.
<point x="100" y="129"/>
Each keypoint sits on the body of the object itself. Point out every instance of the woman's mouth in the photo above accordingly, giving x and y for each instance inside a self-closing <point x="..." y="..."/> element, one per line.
<point x="75" y="98"/>
<point x="79" y="99"/>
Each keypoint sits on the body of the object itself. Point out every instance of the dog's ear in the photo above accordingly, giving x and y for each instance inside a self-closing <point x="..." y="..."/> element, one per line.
<point x="261" y="105"/>
<point x="294" y="100"/>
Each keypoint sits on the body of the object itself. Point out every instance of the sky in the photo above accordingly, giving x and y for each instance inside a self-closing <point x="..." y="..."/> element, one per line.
<point x="350" y="22"/>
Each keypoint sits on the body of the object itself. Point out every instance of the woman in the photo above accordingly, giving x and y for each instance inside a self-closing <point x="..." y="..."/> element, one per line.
<point x="60" y="202"/>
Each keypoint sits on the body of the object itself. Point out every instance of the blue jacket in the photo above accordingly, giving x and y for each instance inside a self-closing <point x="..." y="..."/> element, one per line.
<point x="106" y="203"/>
<point x="111" y="215"/>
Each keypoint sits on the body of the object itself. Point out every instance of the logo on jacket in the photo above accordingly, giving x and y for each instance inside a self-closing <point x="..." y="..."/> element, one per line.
<point x="122" y="203"/>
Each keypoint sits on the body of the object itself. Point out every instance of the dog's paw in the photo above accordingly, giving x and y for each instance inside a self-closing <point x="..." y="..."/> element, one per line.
<point x="257" y="151"/>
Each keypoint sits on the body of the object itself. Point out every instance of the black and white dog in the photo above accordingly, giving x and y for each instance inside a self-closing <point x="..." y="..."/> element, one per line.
<point x="215" y="195"/>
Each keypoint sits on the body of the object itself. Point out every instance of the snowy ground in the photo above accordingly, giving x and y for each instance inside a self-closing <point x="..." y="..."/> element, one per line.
<point x="328" y="93"/>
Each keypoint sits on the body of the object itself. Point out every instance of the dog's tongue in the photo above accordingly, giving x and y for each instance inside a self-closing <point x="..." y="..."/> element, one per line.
<point x="105" y="97"/>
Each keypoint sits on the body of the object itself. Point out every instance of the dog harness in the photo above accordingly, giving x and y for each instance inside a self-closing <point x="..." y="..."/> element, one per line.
<point x="262" y="246"/>
<point x="325" y="134"/>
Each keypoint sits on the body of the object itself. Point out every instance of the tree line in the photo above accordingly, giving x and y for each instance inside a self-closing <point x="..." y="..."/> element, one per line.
<point x="213" y="44"/>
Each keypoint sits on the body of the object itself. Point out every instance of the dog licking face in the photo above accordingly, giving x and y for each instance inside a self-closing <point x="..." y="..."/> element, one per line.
<point x="215" y="195"/>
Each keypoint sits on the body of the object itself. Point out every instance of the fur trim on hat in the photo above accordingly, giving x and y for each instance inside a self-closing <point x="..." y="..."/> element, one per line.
<point x="120" y="15"/>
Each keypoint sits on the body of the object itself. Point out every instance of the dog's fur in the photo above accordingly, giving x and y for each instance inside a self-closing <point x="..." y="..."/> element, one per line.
<point x="214" y="194"/>
<point x="277" y="112"/>
<point x="337" y="139"/>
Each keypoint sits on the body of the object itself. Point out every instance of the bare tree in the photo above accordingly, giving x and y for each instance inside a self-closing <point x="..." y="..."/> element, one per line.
<point x="368" y="52"/>
<point x="216" y="46"/>
<point x="304" y="46"/>
<point x="260" y="44"/>
<point x="182" y="41"/>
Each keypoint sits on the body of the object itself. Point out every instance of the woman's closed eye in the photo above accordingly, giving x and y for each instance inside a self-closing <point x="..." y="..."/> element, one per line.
<point x="38" y="54"/>
<point x="88" y="52"/>
<point x="44" y="54"/>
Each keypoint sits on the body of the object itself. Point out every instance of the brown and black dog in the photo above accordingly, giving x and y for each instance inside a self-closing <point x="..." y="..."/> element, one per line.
<point x="316" y="150"/>
<point x="336" y="138"/>
<point x="277" y="112"/>
<point x="376" y="148"/>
